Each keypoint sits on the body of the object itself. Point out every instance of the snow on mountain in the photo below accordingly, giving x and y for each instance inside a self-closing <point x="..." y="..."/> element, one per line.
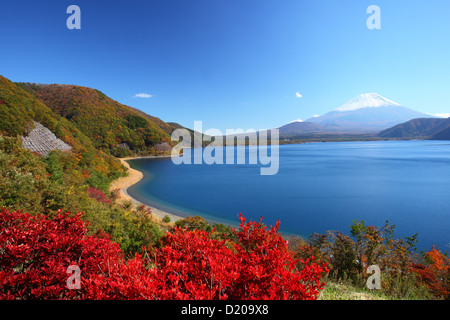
<point x="366" y="113"/>
<point x="367" y="100"/>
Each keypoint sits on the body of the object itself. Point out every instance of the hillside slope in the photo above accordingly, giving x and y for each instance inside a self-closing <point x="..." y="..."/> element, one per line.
<point x="296" y="128"/>
<point x="20" y="110"/>
<point x="442" y="135"/>
<point x="42" y="141"/>
<point x="109" y="124"/>
<point x="48" y="165"/>
<point x="422" y="128"/>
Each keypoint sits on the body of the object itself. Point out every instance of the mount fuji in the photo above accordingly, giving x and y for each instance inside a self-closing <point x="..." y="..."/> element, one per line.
<point x="366" y="113"/>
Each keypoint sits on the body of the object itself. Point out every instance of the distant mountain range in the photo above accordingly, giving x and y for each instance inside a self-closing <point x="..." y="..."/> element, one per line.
<point x="422" y="128"/>
<point x="296" y="127"/>
<point x="86" y="119"/>
<point x="366" y="113"/>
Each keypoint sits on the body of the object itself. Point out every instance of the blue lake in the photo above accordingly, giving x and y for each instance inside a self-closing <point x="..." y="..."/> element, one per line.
<point x="319" y="187"/>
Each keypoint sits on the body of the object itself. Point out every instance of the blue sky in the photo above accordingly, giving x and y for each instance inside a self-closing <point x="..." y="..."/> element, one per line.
<point x="234" y="63"/>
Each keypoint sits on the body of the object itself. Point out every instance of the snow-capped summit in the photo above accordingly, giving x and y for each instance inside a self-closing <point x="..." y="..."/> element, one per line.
<point x="368" y="112"/>
<point x="367" y="100"/>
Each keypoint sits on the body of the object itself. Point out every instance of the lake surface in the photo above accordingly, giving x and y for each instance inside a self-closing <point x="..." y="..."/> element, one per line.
<point x="319" y="187"/>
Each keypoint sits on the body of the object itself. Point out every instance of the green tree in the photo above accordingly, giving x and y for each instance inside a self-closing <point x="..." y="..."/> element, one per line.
<point x="357" y="231"/>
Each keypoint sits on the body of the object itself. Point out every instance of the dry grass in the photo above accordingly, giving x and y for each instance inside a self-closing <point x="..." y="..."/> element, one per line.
<point x="340" y="291"/>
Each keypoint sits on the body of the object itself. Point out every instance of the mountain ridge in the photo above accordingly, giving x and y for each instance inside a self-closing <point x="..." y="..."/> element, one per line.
<point x="303" y="127"/>
<point x="112" y="126"/>
<point x="20" y="110"/>
<point x="421" y="128"/>
<point x="367" y="113"/>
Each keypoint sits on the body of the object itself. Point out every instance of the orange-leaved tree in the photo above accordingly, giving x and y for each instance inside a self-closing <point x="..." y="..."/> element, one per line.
<point x="435" y="272"/>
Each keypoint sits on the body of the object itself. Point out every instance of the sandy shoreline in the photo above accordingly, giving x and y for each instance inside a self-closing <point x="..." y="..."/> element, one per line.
<point x="134" y="176"/>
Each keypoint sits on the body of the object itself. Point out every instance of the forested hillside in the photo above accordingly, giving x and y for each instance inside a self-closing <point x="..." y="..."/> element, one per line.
<point x="112" y="126"/>
<point x="422" y="128"/>
<point x="125" y="253"/>
<point x="76" y="180"/>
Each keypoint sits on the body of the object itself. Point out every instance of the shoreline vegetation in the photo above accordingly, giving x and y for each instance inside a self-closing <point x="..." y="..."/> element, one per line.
<point x="48" y="201"/>
<point x="134" y="176"/>
<point x="122" y="184"/>
<point x="344" y="281"/>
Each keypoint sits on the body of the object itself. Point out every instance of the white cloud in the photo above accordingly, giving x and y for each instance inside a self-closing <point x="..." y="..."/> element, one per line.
<point x="442" y="115"/>
<point x="316" y="116"/>
<point x="298" y="95"/>
<point x="143" y="95"/>
<point x="298" y="120"/>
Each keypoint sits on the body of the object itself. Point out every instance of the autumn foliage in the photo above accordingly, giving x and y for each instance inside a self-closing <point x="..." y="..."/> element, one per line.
<point x="106" y="122"/>
<point x="35" y="252"/>
<point x="98" y="195"/>
<point x="435" y="272"/>
<point x="405" y="273"/>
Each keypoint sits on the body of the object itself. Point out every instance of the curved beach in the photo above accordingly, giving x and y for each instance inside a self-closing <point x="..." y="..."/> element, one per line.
<point x="133" y="177"/>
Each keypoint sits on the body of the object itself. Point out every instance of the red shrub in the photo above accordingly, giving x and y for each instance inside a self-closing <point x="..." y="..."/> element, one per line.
<point x="98" y="195"/>
<point x="35" y="253"/>
<point x="267" y="269"/>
